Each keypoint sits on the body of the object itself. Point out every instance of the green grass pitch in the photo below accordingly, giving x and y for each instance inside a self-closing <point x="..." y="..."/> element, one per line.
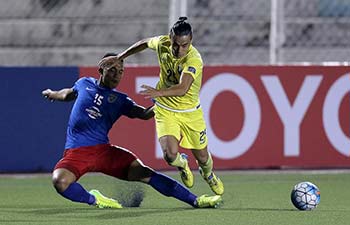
<point x="251" y="198"/>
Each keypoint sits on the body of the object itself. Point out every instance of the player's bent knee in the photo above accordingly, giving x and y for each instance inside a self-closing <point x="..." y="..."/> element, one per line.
<point x="169" y="146"/>
<point x="60" y="183"/>
<point x="61" y="179"/>
<point x="139" y="172"/>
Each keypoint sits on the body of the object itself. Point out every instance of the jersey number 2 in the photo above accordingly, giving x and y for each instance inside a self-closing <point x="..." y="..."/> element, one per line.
<point x="171" y="76"/>
<point x="202" y="137"/>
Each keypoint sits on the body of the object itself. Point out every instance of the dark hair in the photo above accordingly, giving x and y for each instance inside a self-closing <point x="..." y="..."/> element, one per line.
<point x="100" y="70"/>
<point x="181" y="27"/>
<point x="109" y="54"/>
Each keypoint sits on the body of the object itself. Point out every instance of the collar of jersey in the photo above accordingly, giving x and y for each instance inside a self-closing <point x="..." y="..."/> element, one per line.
<point x="104" y="88"/>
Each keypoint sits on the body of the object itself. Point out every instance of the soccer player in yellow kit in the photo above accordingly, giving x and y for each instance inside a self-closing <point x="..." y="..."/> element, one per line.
<point x="178" y="113"/>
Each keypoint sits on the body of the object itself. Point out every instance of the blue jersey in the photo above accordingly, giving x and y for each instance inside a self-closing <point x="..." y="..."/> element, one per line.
<point x="94" y="112"/>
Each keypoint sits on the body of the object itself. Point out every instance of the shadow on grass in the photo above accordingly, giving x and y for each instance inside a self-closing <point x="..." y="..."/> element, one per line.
<point x="43" y="210"/>
<point x="103" y="213"/>
<point x="32" y="221"/>
<point x="64" y="215"/>
<point x="55" y="212"/>
<point x="281" y="210"/>
<point x="137" y="213"/>
<point x="257" y="209"/>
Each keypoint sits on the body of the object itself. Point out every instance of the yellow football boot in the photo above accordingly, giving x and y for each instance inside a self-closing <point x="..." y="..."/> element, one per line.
<point x="206" y="201"/>
<point x="186" y="173"/>
<point x="214" y="182"/>
<point x="104" y="202"/>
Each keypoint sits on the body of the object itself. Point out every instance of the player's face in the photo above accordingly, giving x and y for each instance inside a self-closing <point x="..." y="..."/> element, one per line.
<point x="112" y="76"/>
<point x="180" y="45"/>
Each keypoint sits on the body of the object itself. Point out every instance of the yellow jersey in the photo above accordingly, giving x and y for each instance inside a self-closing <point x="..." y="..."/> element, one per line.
<point x="171" y="69"/>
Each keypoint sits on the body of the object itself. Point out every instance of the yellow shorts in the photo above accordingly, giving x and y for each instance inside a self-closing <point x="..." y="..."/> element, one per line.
<point x="187" y="127"/>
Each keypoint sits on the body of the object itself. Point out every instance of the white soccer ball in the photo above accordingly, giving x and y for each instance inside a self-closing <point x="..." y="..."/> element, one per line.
<point x="305" y="196"/>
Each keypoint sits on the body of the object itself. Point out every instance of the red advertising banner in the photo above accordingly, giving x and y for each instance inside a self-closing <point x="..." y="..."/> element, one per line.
<point x="257" y="116"/>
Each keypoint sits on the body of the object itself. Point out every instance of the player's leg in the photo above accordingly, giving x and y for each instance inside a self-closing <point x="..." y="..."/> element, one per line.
<point x="169" y="145"/>
<point x="123" y="164"/>
<point x="69" y="169"/>
<point x="169" y="187"/>
<point x="65" y="184"/>
<point x="168" y="132"/>
<point x="193" y="130"/>
<point x="205" y="163"/>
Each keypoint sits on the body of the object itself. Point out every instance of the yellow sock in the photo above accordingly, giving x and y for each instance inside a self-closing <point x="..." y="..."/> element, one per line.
<point x="178" y="162"/>
<point x="208" y="166"/>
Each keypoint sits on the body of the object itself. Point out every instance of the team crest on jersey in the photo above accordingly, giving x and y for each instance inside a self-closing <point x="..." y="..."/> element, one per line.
<point x="192" y="69"/>
<point x="111" y="98"/>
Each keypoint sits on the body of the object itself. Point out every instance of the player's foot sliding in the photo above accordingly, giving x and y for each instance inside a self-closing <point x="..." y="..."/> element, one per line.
<point x="206" y="201"/>
<point x="104" y="202"/>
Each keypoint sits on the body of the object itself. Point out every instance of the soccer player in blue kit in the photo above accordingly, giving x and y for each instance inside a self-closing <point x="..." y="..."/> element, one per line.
<point x="98" y="105"/>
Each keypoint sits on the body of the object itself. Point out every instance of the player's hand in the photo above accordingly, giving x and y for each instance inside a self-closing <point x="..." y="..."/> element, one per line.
<point x="150" y="92"/>
<point x="108" y="62"/>
<point x="47" y="93"/>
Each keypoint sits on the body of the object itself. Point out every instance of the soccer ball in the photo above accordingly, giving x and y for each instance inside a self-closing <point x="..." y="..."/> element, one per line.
<point x="305" y="196"/>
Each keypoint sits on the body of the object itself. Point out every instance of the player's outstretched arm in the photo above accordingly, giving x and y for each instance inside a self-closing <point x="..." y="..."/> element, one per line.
<point x="65" y="94"/>
<point x="135" y="48"/>
<point x="111" y="61"/>
<point x="179" y="89"/>
<point x="141" y="112"/>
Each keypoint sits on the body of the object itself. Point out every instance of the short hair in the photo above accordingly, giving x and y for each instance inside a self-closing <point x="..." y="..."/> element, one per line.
<point x="109" y="54"/>
<point x="181" y="27"/>
<point x="100" y="70"/>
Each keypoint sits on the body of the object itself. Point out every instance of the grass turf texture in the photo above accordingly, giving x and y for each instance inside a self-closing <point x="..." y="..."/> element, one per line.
<point x="250" y="198"/>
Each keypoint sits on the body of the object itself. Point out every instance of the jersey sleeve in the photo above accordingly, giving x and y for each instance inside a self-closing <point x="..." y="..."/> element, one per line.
<point x="153" y="42"/>
<point x="193" y="67"/>
<point x="77" y="84"/>
<point x="127" y="106"/>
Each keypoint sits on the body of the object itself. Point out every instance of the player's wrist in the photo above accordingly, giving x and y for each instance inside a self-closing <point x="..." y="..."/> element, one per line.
<point x="161" y="93"/>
